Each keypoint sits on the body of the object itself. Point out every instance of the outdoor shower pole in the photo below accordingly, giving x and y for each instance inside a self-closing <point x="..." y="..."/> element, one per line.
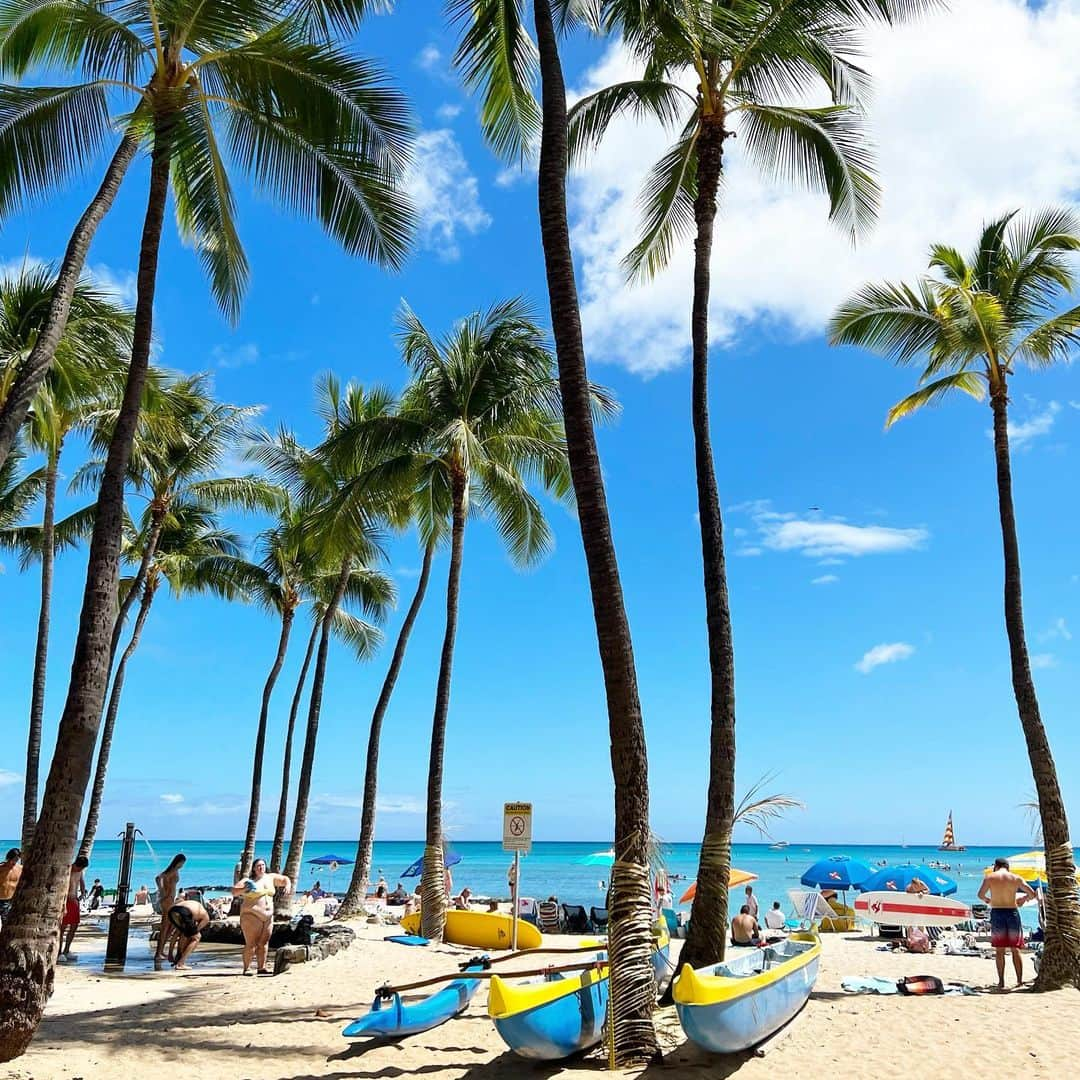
<point x="120" y="919"/>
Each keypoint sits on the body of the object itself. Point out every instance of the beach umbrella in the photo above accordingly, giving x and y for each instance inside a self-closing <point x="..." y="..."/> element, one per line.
<point x="898" y="878"/>
<point x="330" y="860"/>
<point x="836" y="872"/>
<point x="1031" y="866"/>
<point x="738" y="877"/>
<point x="599" y="858"/>
<point x="450" y="858"/>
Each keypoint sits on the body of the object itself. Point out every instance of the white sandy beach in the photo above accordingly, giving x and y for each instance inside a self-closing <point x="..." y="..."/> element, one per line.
<point x="217" y="1024"/>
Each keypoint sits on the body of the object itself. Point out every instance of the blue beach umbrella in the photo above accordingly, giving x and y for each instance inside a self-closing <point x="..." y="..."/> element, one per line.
<point x="836" y="872"/>
<point x="450" y="858"/>
<point x="898" y="878"/>
<point x="329" y="860"/>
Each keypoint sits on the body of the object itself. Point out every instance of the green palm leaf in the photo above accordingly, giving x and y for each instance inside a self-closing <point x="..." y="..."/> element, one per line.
<point x="967" y="381"/>
<point x="592" y="115"/>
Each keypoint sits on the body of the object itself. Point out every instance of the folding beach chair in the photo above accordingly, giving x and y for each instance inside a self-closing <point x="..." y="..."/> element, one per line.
<point x="527" y="909"/>
<point x="547" y="916"/>
<point x="575" y="921"/>
<point x="809" y="907"/>
<point x="598" y="916"/>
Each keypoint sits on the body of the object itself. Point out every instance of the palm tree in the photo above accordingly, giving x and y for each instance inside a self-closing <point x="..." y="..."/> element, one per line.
<point x="88" y="369"/>
<point x="328" y="137"/>
<point x="973" y="320"/>
<point x="497" y="56"/>
<point x="485" y="406"/>
<point x="186" y="556"/>
<point x="186" y="67"/>
<point x="753" y="64"/>
<point x="18" y="492"/>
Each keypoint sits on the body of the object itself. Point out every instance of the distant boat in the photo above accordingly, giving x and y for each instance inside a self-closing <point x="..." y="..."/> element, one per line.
<point x="948" y="841"/>
<point x="779" y="845"/>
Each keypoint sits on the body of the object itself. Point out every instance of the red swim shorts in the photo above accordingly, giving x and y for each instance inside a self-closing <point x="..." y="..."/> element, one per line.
<point x="71" y="913"/>
<point x="1006" y="931"/>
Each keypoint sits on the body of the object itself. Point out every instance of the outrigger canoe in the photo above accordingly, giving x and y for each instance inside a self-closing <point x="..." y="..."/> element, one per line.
<point x="735" y="1005"/>
<point x="564" y="1013"/>
<point x="391" y="1018"/>
<point x="481" y="929"/>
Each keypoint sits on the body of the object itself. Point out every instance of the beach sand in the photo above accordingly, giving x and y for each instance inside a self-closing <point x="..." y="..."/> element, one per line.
<point x="216" y="1024"/>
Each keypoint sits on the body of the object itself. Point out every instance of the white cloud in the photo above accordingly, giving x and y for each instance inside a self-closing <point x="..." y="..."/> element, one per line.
<point x="1040" y="661"/>
<point x="749" y="552"/>
<point x="400" y="804"/>
<point x="448" y="111"/>
<point x="884" y="654"/>
<point x="172" y="799"/>
<point x="826" y="539"/>
<point x="7" y="778"/>
<point x="428" y="58"/>
<point x="384" y="804"/>
<point x="177" y="804"/>
<point x="445" y="193"/>
<point x="121" y="284"/>
<point x="1058" y="629"/>
<point x="776" y="257"/>
<point x="234" y="356"/>
<point x="1021" y="432"/>
<point x="825" y="579"/>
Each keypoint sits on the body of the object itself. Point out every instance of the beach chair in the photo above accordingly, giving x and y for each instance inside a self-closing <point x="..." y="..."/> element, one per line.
<point x="575" y="921"/>
<point x="809" y="907"/>
<point x="527" y="909"/>
<point x="547" y="917"/>
<point x="671" y="919"/>
<point x="598" y="916"/>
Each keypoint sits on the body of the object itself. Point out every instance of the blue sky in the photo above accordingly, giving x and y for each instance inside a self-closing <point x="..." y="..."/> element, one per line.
<point x="847" y="545"/>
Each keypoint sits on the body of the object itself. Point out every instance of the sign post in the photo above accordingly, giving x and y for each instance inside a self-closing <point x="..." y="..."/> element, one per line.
<point x="517" y="837"/>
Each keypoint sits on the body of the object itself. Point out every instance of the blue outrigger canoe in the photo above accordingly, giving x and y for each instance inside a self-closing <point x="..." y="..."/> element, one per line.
<point x="564" y="1013"/>
<point x="391" y="1018"/>
<point x="735" y="1005"/>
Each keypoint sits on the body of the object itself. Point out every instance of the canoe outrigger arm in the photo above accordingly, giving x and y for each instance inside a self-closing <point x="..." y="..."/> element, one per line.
<point x="388" y="992"/>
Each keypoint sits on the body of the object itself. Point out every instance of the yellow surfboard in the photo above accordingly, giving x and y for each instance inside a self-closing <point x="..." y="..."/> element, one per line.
<point x="480" y="929"/>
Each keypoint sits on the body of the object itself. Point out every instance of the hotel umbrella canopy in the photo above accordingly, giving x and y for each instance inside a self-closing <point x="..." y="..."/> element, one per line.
<point x="1031" y="866"/>
<point x="836" y="872"/>
<point x="331" y="862"/>
<point x="450" y="858"/>
<point x="898" y="878"/>
<point x="738" y="877"/>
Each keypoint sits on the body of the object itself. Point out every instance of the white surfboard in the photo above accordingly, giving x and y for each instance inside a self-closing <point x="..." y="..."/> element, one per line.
<point x="909" y="909"/>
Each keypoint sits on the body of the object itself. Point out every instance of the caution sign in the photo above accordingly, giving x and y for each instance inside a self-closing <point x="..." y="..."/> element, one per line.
<point x="517" y="826"/>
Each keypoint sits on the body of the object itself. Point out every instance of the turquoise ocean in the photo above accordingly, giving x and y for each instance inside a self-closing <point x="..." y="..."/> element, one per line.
<point x="552" y="868"/>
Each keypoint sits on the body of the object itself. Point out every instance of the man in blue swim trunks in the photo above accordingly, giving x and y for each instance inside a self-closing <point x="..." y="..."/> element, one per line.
<point x="1005" y="893"/>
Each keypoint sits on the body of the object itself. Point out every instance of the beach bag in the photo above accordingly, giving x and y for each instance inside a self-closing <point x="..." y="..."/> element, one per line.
<point x="915" y="985"/>
<point x="918" y="940"/>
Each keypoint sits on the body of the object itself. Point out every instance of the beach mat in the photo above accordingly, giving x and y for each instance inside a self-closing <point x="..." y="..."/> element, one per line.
<point x="407" y="939"/>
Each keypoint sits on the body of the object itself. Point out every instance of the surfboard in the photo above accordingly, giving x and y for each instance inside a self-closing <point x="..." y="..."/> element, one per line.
<point x="908" y="909"/>
<point x="481" y="929"/>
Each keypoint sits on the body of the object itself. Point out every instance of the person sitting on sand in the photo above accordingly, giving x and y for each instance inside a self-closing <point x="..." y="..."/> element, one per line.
<point x="76" y="891"/>
<point x="187" y="920"/>
<point x="317" y="891"/>
<point x="774" y="918"/>
<point x="168" y="883"/>
<point x="381" y="887"/>
<point x="398" y="896"/>
<point x="10" y="872"/>
<point x="257" y="913"/>
<point x="142" y="895"/>
<point x="744" y="928"/>
<point x="461" y="903"/>
<point x="1006" y="892"/>
<point x="493" y="904"/>
<point x="918" y="887"/>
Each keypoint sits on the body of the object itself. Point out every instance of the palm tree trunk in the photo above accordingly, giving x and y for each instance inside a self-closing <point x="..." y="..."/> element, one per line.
<point x="33" y="370"/>
<point x="260" y="742"/>
<point x="286" y="766"/>
<point x="630" y="902"/>
<point x="354" y="898"/>
<point x="149" y="551"/>
<point x="709" y="914"/>
<point x="1060" y="965"/>
<point x="433" y="898"/>
<point x="41" y="654"/>
<point x="93" y="814"/>
<point x="29" y="938"/>
<point x="303" y="786"/>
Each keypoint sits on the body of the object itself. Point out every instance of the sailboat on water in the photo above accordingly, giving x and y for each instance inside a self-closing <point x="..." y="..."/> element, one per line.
<point x="948" y="841"/>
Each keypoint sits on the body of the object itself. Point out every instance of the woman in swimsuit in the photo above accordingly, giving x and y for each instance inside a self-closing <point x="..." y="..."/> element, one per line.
<point x="257" y="913"/>
<point x="168" y="882"/>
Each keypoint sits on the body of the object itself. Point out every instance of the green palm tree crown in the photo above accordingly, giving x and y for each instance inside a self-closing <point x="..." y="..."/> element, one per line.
<point x="249" y="85"/>
<point x="18" y="492"/>
<point x="972" y="320"/>
<point x="485" y="410"/>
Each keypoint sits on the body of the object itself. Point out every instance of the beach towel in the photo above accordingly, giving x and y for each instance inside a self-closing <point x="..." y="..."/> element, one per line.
<point x="868" y="985"/>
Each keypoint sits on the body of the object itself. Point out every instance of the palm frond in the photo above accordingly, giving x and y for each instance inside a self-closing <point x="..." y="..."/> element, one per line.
<point x="590" y="117"/>
<point x="759" y="810"/>
<point x="969" y="382"/>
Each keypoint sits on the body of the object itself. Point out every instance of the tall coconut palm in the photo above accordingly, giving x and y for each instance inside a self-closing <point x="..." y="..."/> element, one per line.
<point x="497" y="56"/>
<point x="972" y="321"/>
<point x="187" y="550"/>
<point x="484" y="402"/>
<point x="327" y="136"/>
<point x="753" y="65"/>
<point x="19" y="491"/>
<point x="87" y="371"/>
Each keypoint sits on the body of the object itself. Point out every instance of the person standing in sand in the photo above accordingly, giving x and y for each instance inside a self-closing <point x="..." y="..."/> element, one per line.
<point x="187" y="919"/>
<point x="76" y="891"/>
<point x="1005" y="892"/>
<point x="10" y="872"/>
<point x="168" y="882"/>
<point x="257" y="913"/>
<point x="751" y="901"/>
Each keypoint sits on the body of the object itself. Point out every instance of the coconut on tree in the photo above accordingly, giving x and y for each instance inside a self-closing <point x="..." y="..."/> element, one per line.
<point x="972" y="322"/>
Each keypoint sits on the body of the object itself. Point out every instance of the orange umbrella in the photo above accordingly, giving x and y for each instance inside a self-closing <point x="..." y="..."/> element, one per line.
<point x="738" y="877"/>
